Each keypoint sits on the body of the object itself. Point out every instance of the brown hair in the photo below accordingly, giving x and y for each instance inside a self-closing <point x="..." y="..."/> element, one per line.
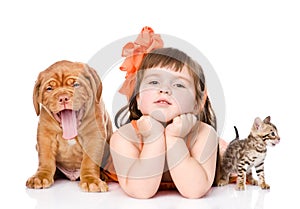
<point x="175" y="60"/>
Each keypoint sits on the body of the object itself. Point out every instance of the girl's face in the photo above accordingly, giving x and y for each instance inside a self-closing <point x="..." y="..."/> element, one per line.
<point x="165" y="94"/>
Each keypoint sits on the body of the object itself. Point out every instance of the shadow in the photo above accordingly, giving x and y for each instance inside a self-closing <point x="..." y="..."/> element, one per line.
<point x="253" y="197"/>
<point x="66" y="194"/>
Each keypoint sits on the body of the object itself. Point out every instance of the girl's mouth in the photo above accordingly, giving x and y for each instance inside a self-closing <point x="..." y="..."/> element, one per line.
<point x="163" y="101"/>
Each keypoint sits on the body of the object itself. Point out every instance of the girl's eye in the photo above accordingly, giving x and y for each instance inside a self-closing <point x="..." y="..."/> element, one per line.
<point x="179" y="85"/>
<point x="153" y="82"/>
<point x="76" y="85"/>
<point x="49" y="88"/>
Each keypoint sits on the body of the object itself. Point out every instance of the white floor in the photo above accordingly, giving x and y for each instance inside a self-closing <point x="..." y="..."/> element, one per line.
<point x="66" y="194"/>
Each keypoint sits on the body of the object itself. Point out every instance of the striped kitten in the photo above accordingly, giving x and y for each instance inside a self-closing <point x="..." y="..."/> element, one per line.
<point x="241" y="155"/>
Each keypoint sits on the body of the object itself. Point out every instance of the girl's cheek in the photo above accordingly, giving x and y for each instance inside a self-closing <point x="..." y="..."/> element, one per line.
<point x="185" y="102"/>
<point x="146" y="93"/>
<point x="144" y="99"/>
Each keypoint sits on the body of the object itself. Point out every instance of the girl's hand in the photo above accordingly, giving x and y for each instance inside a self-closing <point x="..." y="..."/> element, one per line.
<point x="149" y="128"/>
<point x="181" y="125"/>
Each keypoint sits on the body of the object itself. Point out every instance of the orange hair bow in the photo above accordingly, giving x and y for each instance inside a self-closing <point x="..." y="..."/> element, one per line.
<point x="134" y="52"/>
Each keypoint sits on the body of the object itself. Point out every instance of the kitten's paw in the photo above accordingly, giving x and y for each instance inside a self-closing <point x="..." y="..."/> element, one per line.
<point x="253" y="182"/>
<point x="240" y="186"/>
<point x="264" y="185"/>
<point x="222" y="182"/>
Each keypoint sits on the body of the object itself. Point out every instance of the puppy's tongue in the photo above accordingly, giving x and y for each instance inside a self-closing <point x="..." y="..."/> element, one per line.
<point x="69" y="124"/>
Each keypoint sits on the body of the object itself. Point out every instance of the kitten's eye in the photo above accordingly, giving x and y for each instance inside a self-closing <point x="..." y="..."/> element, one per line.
<point x="76" y="85"/>
<point x="49" y="88"/>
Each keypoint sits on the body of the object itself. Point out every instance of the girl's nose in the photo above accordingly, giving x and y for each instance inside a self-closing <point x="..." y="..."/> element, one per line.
<point x="165" y="90"/>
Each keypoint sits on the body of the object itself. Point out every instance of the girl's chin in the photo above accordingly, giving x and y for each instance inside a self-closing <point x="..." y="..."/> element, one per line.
<point x="161" y="117"/>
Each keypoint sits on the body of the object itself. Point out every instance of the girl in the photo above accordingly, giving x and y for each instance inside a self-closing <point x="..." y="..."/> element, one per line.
<point x="170" y="137"/>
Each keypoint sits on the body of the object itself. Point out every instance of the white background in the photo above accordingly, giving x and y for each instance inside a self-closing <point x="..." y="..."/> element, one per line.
<point x="252" y="45"/>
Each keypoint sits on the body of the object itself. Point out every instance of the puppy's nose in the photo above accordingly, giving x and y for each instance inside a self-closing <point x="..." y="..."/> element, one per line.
<point x="63" y="98"/>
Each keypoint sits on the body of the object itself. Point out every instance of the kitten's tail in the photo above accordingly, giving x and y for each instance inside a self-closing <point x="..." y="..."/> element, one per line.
<point x="236" y="133"/>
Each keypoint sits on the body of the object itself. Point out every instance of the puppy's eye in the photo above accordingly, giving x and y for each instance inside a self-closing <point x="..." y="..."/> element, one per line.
<point x="272" y="134"/>
<point x="76" y="85"/>
<point x="49" y="88"/>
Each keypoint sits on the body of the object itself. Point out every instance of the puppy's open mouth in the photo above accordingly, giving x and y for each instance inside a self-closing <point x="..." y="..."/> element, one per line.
<point x="69" y="121"/>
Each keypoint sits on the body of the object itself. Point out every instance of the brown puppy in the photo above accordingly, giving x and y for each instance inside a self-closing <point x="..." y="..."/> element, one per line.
<point x="74" y="127"/>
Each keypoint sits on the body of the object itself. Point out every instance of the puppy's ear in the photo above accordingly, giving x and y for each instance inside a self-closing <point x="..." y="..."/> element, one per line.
<point x="36" y="94"/>
<point x="99" y="91"/>
<point x="96" y="83"/>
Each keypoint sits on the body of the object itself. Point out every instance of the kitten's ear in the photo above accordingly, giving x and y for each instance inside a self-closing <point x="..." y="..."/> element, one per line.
<point x="257" y="123"/>
<point x="267" y="119"/>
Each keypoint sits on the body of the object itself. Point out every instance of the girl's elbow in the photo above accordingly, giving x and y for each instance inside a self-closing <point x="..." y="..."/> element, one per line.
<point x="140" y="194"/>
<point x="139" y="191"/>
<point x="195" y="193"/>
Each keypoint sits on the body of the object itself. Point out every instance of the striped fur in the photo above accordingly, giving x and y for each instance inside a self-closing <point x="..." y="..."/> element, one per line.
<point x="241" y="155"/>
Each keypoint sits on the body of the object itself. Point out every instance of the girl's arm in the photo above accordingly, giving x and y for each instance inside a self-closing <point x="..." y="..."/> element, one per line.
<point x="139" y="166"/>
<point x="192" y="169"/>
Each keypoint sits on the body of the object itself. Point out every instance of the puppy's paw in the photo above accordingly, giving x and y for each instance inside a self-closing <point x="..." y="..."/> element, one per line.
<point x="40" y="181"/>
<point x="92" y="184"/>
